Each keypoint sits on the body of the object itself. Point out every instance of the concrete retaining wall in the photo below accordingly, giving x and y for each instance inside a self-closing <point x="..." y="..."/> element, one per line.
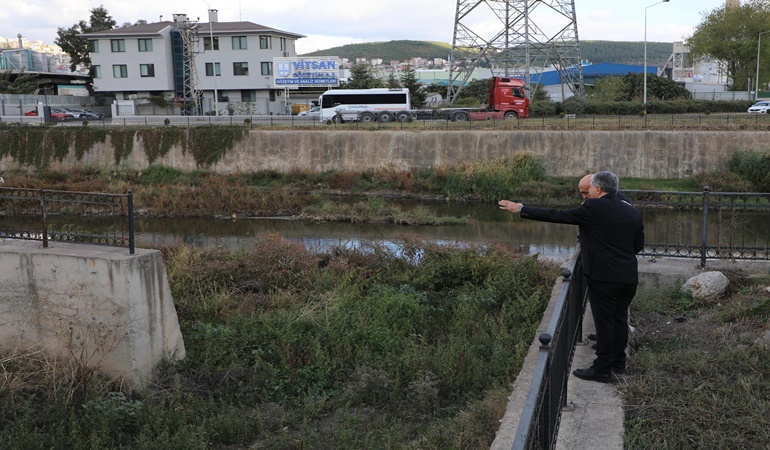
<point x="99" y="307"/>
<point x="645" y="154"/>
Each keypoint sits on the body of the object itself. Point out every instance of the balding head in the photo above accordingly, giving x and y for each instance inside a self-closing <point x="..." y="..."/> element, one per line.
<point x="584" y="185"/>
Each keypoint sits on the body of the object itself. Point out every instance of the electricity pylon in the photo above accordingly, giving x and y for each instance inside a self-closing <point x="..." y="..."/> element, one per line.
<point x="532" y="36"/>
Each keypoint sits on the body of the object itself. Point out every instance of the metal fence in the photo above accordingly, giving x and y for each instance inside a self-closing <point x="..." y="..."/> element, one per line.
<point x="705" y="225"/>
<point x="547" y="396"/>
<point x="48" y="215"/>
<point x="736" y="121"/>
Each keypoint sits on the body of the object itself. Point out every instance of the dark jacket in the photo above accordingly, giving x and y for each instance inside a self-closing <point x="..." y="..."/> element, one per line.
<point x="611" y="234"/>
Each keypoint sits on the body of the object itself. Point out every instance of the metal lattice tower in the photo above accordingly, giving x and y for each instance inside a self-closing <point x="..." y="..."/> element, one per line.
<point x="188" y="29"/>
<point x="534" y="35"/>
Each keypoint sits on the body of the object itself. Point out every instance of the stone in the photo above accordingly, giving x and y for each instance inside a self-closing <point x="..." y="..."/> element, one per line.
<point x="707" y="285"/>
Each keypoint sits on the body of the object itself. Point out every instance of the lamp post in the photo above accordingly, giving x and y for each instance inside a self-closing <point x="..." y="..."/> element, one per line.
<point x="645" y="52"/>
<point x="756" y="79"/>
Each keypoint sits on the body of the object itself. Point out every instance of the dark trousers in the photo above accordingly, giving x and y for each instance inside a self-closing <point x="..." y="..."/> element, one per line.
<point x="609" y="306"/>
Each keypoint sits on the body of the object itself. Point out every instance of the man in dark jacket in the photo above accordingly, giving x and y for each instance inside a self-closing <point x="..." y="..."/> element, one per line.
<point x="611" y="234"/>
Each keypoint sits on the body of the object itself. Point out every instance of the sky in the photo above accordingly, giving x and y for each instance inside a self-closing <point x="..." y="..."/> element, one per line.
<point x="331" y="23"/>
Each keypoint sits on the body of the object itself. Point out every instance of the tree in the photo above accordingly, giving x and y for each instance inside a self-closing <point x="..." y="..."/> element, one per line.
<point x="393" y="81"/>
<point x="729" y="35"/>
<point x="658" y="88"/>
<point x="76" y="46"/>
<point x="611" y="89"/>
<point x="363" y="76"/>
<point x="416" y="89"/>
<point x="476" y="89"/>
<point x="23" y="83"/>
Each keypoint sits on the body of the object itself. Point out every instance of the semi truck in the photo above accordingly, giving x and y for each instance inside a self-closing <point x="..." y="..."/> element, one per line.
<point x="507" y="100"/>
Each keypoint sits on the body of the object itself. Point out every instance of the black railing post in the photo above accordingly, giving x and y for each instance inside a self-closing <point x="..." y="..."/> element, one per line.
<point x="42" y="214"/>
<point x="704" y="234"/>
<point x="131" y="242"/>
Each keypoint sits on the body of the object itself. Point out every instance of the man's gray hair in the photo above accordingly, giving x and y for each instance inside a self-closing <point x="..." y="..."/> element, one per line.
<point x="607" y="181"/>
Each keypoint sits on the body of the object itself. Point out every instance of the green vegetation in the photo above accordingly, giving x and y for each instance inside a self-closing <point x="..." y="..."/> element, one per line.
<point x="39" y="146"/>
<point x="594" y="51"/>
<point x="697" y="372"/>
<point x="287" y="349"/>
<point x="731" y="35"/>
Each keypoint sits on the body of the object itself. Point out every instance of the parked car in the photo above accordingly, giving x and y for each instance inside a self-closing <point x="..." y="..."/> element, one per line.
<point x="314" y="112"/>
<point x="84" y="113"/>
<point x="58" y="114"/>
<point x="759" y="108"/>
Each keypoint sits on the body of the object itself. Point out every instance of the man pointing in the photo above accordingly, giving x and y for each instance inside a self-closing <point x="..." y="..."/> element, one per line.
<point x="611" y="234"/>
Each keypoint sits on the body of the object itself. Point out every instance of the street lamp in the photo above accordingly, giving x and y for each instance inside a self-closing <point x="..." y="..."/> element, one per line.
<point x="756" y="79"/>
<point x="645" y="52"/>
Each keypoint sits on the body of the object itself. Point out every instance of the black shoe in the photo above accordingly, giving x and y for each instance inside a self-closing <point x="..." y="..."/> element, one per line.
<point x="592" y="337"/>
<point x="591" y="375"/>
<point x="618" y="370"/>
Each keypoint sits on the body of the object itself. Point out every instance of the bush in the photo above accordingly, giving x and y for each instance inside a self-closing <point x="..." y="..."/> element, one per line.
<point x="753" y="166"/>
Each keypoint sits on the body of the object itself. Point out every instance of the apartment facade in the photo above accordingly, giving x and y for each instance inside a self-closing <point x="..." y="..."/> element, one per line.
<point x="233" y="61"/>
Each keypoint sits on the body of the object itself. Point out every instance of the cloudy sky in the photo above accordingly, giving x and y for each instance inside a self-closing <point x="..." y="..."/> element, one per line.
<point x="330" y="23"/>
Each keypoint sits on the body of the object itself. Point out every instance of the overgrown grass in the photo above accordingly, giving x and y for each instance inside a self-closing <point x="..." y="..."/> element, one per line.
<point x="698" y="370"/>
<point x="368" y="348"/>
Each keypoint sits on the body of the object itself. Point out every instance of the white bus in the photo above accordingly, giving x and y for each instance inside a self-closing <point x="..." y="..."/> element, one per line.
<point x="366" y="105"/>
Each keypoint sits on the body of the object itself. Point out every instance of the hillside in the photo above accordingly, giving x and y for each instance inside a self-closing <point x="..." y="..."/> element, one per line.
<point x="593" y="51"/>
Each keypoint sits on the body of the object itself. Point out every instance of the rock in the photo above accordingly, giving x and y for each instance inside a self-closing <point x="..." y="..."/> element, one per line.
<point x="706" y="286"/>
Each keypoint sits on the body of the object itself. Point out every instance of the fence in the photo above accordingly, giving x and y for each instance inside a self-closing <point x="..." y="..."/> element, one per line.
<point x="42" y="215"/>
<point x="737" y="121"/>
<point x="705" y="225"/>
<point x="547" y="396"/>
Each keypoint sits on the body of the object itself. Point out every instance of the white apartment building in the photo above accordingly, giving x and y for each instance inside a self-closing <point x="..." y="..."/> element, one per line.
<point x="232" y="59"/>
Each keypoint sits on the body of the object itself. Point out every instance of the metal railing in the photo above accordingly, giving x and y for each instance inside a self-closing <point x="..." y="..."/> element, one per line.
<point x="48" y="215"/>
<point x="705" y="225"/>
<point x="727" y="121"/>
<point x="539" y="423"/>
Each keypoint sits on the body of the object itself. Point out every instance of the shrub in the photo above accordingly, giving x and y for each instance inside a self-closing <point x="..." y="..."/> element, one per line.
<point x="753" y="166"/>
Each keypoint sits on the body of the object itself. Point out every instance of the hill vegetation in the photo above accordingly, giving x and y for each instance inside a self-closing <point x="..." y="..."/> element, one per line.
<point x="593" y="51"/>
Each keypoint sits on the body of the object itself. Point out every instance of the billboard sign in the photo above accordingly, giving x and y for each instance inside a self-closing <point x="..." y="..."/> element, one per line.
<point x="307" y="71"/>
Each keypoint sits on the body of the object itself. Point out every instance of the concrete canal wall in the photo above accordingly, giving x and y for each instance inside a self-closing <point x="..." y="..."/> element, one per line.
<point x="646" y="154"/>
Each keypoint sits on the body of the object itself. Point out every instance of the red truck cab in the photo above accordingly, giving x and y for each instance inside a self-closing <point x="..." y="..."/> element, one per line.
<point x="507" y="96"/>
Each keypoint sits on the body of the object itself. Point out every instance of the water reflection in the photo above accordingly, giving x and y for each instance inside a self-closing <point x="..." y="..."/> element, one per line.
<point x="552" y="240"/>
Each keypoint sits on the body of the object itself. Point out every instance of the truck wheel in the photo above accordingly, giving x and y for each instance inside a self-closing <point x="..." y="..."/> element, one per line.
<point x="511" y="115"/>
<point x="386" y="116"/>
<point x="403" y="116"/>
<point x="367" y="117"/>
<point x="461" y="117"/>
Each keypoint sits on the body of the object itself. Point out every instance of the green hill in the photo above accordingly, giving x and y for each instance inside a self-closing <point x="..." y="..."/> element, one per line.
<point x="593" y="51"/>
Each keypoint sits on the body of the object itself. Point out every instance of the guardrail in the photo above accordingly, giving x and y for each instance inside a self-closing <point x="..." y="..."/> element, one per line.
<point x="539" y="423"/>
<point x="705" y="225"/>
<point x="736" y="121"/>
<point x="43" y="215"/>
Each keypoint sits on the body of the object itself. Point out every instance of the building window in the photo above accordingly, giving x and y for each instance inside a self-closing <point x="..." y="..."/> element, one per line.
<point x="272" y="95"/>
<point x="267" y="68"/>
<point x="207" y="43"/>
<point x="213" y="69"/>
<point x="283" y="44"/>
<point x="120" y="71"/>
<point x="147" y="70"/>
<point x="96" y="71"/>
<point x="118" y="45"/>
<point x="240" y="68"/>
<point x="265" y="42"/>
<point x="239" y="43"/>
<point x="145" y="45"/>
<point x="248" y="95"/>
<point x="93" y="46"/>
